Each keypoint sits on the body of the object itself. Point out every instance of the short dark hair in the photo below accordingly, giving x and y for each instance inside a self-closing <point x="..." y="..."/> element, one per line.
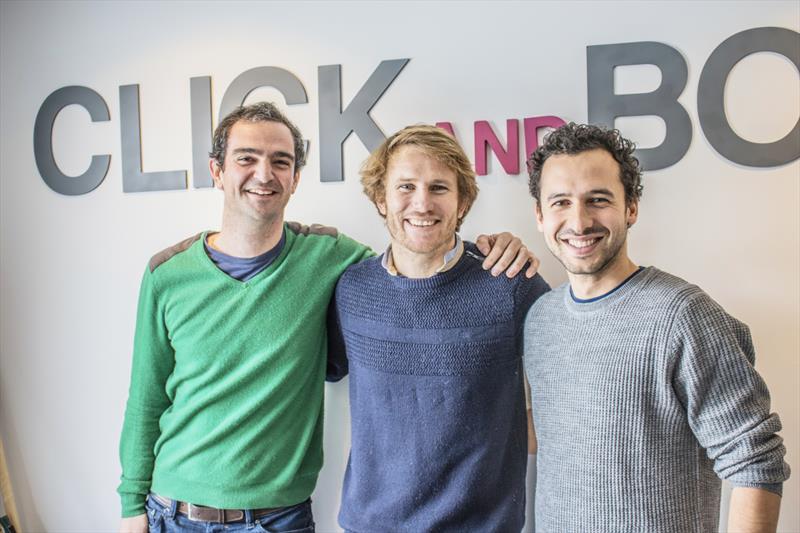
<point x="573" y="139"/>
<point x="258" y="112"/>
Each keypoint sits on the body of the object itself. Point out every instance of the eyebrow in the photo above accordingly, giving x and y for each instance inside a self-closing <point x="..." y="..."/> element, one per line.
<point x="604" y="192"/>
<point x="246" y="150"/>
<point x="557" y="195"/>
<point x="436" y="181"/>
<point x="283" y="154"/>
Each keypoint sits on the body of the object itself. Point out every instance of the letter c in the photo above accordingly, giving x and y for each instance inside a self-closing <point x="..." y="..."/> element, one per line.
<point x="43" y="140"/>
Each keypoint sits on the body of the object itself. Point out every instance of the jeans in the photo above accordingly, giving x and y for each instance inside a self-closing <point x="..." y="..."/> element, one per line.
<point x="294" y="519"/>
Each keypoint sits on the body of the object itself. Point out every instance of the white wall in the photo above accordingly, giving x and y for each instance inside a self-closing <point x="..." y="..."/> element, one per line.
<point x="71" y="265"/>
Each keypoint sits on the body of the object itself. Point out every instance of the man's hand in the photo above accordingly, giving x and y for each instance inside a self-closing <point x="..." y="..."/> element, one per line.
<point x="506" y="253"/>
<point x="134" y="524"/>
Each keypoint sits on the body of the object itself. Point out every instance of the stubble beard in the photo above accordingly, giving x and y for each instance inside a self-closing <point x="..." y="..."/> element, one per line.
<point x="608" y="258"/>
<point x="400" y="237"/>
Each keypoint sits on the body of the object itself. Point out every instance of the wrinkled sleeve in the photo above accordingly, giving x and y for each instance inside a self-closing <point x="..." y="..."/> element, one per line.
<point x="726" y="400"/>
<point x="153" y="362"/>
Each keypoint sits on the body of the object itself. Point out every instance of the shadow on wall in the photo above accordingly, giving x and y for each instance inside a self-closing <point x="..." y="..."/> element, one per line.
<point x="25" y="502"/>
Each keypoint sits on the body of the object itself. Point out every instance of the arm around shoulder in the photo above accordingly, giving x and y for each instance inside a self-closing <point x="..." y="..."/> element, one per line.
<point x="352" y="250"/>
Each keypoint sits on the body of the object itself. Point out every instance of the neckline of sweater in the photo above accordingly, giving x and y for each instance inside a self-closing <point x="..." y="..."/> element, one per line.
<point x="626" y="290"/>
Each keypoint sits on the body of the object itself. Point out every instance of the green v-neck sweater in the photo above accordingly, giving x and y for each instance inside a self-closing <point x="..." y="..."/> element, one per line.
<point x="225" y="406"/>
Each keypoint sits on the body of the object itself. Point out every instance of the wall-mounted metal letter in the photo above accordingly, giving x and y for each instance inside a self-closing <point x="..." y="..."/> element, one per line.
<point x="335" y="125"/>
<point x="43" y="140"/>
<point x="200" y="95"/>
<point x="133" y="179"/>
<point x="711" y="97"/>
<point x="485" y="137"/>
<point x="532" y="125"/>
<point x="248" y="81"/>
<point x="605" y="106"/>
<point x="446" y="126"/>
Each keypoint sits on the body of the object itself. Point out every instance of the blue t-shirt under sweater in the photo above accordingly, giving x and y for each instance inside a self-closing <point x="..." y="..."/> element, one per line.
<point x="245" y="268"/>
<point x="439" y="434"/>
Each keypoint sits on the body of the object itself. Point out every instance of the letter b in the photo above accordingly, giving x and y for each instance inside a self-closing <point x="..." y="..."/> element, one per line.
<point x="605" y="106"/>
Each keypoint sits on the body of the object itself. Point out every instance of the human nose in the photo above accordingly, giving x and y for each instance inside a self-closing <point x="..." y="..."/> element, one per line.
<point x="263" y="171"/>
<point x="422" y="200"/>
<point x="580" y="219"/>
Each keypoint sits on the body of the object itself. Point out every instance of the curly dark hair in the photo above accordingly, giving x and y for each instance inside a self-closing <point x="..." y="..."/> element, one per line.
<point x="258" y="112"/>
<point x="576" y="138"/>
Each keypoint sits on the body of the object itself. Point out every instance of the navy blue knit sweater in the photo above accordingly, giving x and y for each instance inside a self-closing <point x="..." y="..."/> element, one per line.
<point x="439" y="438"/>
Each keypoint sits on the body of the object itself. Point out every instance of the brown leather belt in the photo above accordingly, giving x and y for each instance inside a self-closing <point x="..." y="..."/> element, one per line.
<point x="210" y="514"/>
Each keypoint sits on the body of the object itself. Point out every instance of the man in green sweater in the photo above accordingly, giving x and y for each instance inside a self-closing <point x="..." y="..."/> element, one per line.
<point x="224" y="417"/>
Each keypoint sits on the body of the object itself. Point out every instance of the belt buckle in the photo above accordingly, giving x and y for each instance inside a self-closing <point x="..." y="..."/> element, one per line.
<point x="203" y="514"/>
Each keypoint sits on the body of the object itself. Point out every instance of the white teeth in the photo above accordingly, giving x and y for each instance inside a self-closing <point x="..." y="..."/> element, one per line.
<point x="421" y="223"/>
<point x="581" y="244"/>
<point x="260" y="193"/>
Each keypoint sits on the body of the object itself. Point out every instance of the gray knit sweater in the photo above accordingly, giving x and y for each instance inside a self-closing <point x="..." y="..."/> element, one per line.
<point x="642" y="401"/>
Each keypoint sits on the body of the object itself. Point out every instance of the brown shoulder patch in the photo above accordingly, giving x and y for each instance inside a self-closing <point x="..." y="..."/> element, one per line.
<point x="313" y="229"/>
<point x="166" y="254"/>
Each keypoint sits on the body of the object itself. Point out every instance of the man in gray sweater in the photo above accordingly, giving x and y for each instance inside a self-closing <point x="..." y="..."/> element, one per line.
<point x="643" y="388"/>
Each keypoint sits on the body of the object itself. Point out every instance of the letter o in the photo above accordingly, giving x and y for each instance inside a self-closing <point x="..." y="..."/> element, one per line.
<point x="711" y="97"/>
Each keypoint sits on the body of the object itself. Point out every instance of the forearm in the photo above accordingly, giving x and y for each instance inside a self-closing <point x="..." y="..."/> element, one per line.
<point x="134" y="524"/>
<point x="139" y="435"/>
<point x="753" y="511"/>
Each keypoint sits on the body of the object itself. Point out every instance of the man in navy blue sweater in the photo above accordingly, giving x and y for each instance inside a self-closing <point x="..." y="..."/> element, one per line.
<point x="439" y="433"/>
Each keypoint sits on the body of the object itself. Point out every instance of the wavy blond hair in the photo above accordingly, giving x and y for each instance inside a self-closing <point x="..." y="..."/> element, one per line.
<point x="434" y="142"/>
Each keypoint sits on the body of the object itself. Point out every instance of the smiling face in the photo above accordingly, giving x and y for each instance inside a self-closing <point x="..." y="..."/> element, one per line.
<point x="259" y="175"/>
<point x="583" y="213"/>
<point x="420" y="204"/>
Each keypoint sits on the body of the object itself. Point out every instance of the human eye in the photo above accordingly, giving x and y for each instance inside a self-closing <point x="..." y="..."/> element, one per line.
<point x="244" y="159"/>
<point x="439" y="188"/>
<point x="405" y="187"/>
<point x="559" y="203"/>
<point x="598" y="201"/>
<point x="282" y="163"/>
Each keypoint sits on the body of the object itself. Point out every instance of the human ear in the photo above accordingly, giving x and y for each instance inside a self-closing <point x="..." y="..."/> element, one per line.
<point x="296" y="181"/>
<point x="633" y="213"/>
<point x="539" y="217"/>
<point x="216" y="173"/>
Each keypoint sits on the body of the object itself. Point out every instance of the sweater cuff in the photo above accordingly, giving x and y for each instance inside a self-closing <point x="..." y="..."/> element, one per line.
<point x="132" y="504"/>
<point x="775" y="488"/>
